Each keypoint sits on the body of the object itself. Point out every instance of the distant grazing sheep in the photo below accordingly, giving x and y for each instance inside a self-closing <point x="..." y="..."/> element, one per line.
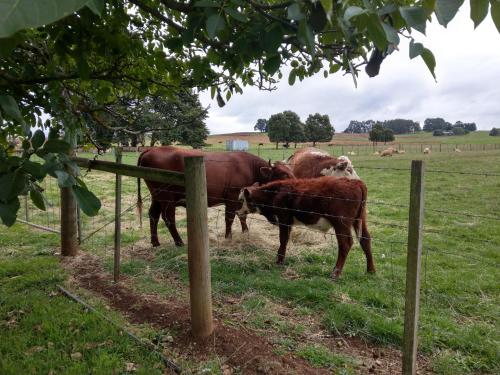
<point x="458" y="150"/>
<point x="401" y="152"/>
<point x="427" y="150"/>
<point x="376" y="153"/>
<point x="387" y="152"/>
<point x="351" y="153"/>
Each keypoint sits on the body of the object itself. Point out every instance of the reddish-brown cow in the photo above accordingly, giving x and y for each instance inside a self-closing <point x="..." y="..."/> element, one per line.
<point x="227" y="173"/>
<point x="320" y="203"/>
<point x="311" y="162"/>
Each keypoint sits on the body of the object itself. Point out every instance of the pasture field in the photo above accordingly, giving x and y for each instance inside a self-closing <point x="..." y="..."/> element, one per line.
<point x="254" y="138"/>
<point x="351" y="326"/>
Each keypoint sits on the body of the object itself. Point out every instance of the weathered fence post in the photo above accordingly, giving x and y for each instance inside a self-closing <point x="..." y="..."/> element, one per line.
<point x="69" y="226"/>
<point x="118" y="217"/>
<point x="198" y="254"/>
<point x="412" y="299"/>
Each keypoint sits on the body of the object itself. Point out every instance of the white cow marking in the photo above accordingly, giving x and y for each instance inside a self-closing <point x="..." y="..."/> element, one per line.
<point x="322" y="224"/>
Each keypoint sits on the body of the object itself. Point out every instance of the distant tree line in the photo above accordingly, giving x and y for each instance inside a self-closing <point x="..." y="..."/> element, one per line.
<point x="159" y="120"/>
<point x="440" y="127"/>
<point x="398" y="126"/>
<point x="286" y="127"/>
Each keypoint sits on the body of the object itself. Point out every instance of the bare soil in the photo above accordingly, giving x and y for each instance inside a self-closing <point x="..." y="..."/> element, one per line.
<point x="240" y="348"/>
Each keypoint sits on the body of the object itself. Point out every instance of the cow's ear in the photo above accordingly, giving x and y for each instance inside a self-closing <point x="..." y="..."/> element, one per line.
<point x="246" y="193"/>
<point x="266" y="172"/>
<point x="270" y="164"/>
<point x="341" y="165"/>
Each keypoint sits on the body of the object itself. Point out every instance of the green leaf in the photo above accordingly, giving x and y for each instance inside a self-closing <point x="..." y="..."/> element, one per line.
<point x="213" y="90"/>
<point x="11" y="185"/>
<point x="207" y="4"/>
<point x="37" y="199"/>
<point x="233" y="13"/>
<point x="220" y="102"/>
<point x="215" y="23"/>
<point x="478" y="11"/>
<point x="55" y="146"/>
<point x="446" y="10"/>
<point x="9" y="107"/>
<point x="294" y="12"/>
<point x="64" y="179"/>
<point x="376" y="31"/>
<point x="272" y="64"/>
<point x="416" y="49"/>
<point x="35" y="169"/>
<point x="353" y="11"/>
<point x="8" y="211"/>
<point x="415" y="17"/>
<point x="306" y="35"/>
<point x="37" y="139"/>
<point x="391" y="34"/>
<point x="273" y="38"/>
<point x="317" y="19"/>
<point x="96" y="6"/>
<point x="328" y="7"/>
<point x="429" y="60"/>
<point x="495" y="13"/>
<point x="17" y="15"/>
<point x="291" y="77"/>
<point x="87" y="201"/>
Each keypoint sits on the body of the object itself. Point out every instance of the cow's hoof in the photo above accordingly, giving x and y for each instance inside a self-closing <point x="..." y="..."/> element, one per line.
<point x="371" y="271"/>
<point x="335" y="275"/>
<point x="280" y="262"/>
<point x="228" y="236"/>
<point x="179" y="244"/>
<point x="155" y="243"/>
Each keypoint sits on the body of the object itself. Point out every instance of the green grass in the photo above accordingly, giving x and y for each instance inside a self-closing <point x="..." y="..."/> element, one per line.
<point x="42" y="329"/>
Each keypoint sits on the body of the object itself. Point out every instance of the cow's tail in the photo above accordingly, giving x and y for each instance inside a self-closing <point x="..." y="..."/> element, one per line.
<point x="361" y="214"/>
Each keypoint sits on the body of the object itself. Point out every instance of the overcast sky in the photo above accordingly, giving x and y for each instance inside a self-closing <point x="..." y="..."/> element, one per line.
<point x="467" y="87"/>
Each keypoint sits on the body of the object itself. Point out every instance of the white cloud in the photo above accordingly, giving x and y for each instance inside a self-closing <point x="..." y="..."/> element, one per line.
<point x="467" y="87"/>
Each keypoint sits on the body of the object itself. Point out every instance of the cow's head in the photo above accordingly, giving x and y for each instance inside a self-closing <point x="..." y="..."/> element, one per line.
<point x="276" y="171"/>
<point x="247" y="204"/>
<point x="343" y="168"/>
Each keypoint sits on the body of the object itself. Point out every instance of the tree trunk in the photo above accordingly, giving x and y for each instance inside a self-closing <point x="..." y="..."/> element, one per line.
<point x="314" y="143"/>
<point x="276" y="145"/>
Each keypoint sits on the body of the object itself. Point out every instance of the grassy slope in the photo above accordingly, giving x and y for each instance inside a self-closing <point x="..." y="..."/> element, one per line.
<point x="40" y="329"/>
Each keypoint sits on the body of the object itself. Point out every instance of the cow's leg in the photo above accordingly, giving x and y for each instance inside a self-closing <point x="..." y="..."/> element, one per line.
<point x="168" y="215"/>
<point x="154" y="218"/>
<point x="344" y="241"/>
<point x="365" y="241"/>
<point x="284" y="236"/>
<point x="229" y="216"/>
<point x="243" y="221"/>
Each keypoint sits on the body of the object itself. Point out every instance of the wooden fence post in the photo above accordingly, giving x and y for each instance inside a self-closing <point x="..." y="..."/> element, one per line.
<point x="118" y="217"/>
<point x="412" y="299"/>
<point x="69" y="229"/>
<point x="198" y="255"/>
<point x="69" y="224"/>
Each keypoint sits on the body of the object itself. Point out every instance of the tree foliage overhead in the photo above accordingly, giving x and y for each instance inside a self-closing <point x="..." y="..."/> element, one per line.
<point x="77" y="66"/>
<point x="318" y="129"/>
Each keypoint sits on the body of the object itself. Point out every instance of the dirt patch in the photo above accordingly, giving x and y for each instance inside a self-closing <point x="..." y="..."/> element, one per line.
<point x="237" y="348"/>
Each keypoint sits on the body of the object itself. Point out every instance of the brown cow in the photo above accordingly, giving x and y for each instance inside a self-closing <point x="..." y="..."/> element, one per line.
<point x="311" y="162"/>
<point x="319" y="203"/>
<point x="227" y="173"/>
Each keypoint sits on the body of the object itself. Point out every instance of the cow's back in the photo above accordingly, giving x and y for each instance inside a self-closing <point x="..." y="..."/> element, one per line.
<point x="227" y="172"/>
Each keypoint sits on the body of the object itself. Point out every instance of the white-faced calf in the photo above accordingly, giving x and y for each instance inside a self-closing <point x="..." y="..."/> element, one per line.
<point x="319" y="203"/>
